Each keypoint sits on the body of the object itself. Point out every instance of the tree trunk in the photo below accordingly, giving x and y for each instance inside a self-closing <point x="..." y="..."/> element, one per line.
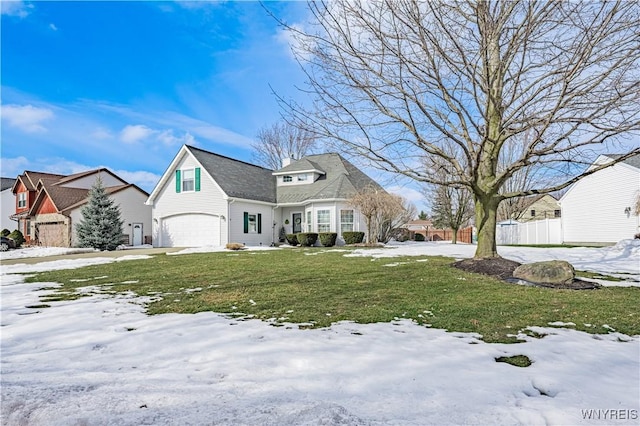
<point x="486" y="213"/>
<point x="454" y="236"/>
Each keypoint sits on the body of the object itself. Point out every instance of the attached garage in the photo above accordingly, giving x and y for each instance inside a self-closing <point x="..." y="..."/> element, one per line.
<point x="52" y="234"/>
<point x="190" y="230"/>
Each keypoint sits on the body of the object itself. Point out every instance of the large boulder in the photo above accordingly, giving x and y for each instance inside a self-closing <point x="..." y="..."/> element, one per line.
<point x="556" y="272"/>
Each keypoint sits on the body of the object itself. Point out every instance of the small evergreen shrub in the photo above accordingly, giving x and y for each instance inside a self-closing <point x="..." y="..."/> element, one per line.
<point x="328" y="239"/>
<point x="234" y="246"/>
<point x="101" y="224"/>
<point x="292" y="239"/>
<point x="353" y="237"/>
<point x="17" y="237"/>
<point x="282" y="235"/>
<point x="419" y="237"/>
<point x="307" y="239"/>
<point x="5" y="232"/>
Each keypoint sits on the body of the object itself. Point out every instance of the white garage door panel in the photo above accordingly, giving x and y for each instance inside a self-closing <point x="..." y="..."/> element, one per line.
<point x="191" y="230"/>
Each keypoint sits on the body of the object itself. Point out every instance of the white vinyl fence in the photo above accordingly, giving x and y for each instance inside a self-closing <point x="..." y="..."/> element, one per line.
<point x="547" y="231"/>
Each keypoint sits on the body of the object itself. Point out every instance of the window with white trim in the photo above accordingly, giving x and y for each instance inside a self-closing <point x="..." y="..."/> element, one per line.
<point x="188" y="180"/>
<point x="287" y="179"/>
<point x="252" y="223"/>
<point x="309" y="224"/>
<point x="324" y="220"/>
<point x="302" y="177"/>
<point x="346" y="221"/>
<point x="22" y="200"/>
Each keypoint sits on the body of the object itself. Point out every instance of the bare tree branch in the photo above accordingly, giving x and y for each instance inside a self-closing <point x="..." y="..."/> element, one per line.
<point x="460" y="83"/>
<point x="279" y="141"/>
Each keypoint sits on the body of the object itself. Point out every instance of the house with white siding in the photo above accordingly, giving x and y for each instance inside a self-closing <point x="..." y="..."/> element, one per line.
<point x="7" y="204"/>
<point x="206" y="199"/>
<point x="602" y="208"/>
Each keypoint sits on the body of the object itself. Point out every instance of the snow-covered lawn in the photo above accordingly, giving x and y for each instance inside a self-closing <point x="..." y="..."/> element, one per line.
<point x="100" y="360"/>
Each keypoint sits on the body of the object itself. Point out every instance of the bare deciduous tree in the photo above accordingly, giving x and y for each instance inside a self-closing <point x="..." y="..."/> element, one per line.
<point x="395" y="81"/>
<point x="383" y="212"/>
<point x="281" y="140"/>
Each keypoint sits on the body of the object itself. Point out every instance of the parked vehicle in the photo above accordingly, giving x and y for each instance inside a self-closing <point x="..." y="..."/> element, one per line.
<point x="7" y="243"/>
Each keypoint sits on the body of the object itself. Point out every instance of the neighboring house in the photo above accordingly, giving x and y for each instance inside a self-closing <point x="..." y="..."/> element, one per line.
<point x="7" y="205"/>
<point x="426" y="228"/>
<point x="601" y="208"/>
<point x="48" y="206"/>
<point x="208" y="199"/>
<point x="538" y="207"/>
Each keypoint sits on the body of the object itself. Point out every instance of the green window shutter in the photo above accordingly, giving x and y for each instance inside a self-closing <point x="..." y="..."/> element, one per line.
<point x="246" y="222"/>
<point x="178" y="182"/>
<point x="259" y="223"/>
<point x="197" y="178"/>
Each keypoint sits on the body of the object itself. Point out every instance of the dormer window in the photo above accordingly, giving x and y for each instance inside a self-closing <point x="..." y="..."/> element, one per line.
<point x="287" y="178"/>
<point x="302" y="177"/>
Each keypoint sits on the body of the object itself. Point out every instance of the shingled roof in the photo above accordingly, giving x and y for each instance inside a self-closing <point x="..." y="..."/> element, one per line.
<point x="342" y="180"/>
<point x="632" y="161"/>
<point x="7" y="183"/>
<point x="30" y="179"/>
<point x="237" y="178"/>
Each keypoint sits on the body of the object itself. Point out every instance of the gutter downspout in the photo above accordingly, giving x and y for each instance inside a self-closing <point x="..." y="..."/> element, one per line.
<point x="229" y="202"/>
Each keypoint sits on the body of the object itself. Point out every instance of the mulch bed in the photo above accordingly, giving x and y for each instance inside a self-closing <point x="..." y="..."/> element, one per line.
<point x="502" y="269"/>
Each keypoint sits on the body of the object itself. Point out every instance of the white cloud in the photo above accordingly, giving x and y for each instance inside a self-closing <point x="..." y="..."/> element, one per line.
<point x="145" y="180"/>
<point x="292" y="40"/>
<point x="168" y="138"/>
<point x="53" y="27"/>
<point x="132" y="134"/>
<point x="12" y="167"/>
<point x="15" y="8"/>
<point x="26" y="117"/>
<point x="101" y="134"/>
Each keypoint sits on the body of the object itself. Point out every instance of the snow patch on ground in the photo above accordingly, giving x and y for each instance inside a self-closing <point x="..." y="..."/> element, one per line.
<point x="101" y="360"/>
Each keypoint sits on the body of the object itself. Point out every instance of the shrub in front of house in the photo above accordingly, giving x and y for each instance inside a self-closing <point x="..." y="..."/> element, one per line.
<point x="328" y="239"/>
<point x="353" y="237"/>
<point x="419" y="237"/>
<point x="292" y="239"/>
<point x="5" y="232"/>
<point x="307" y="239"/>
<point x="17" y="237"/>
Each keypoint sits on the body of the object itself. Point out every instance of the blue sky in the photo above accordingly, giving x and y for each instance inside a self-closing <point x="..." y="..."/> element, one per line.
<point x="124" y="84"/>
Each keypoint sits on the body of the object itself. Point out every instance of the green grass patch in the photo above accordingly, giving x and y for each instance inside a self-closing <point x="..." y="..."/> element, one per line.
<point x="319" y="287"/>
<point x="516" y="360"/>
<point x="40" y="306"/>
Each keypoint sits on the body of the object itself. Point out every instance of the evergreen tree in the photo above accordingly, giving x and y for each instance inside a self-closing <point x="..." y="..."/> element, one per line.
<point x="101" y="225"/>
<point x="422" y="215"/>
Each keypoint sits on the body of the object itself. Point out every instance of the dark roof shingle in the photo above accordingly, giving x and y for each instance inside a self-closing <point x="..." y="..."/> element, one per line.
<point x="237" y="178"/>
<point x="342" y="180"/>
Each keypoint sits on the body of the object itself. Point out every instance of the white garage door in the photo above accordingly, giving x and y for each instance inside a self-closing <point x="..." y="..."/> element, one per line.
<point x="191" y="230"/>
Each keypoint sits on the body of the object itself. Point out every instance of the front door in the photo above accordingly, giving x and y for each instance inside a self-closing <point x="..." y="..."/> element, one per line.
<point x="137" y="234"/>
<point x="297" y="222"/>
